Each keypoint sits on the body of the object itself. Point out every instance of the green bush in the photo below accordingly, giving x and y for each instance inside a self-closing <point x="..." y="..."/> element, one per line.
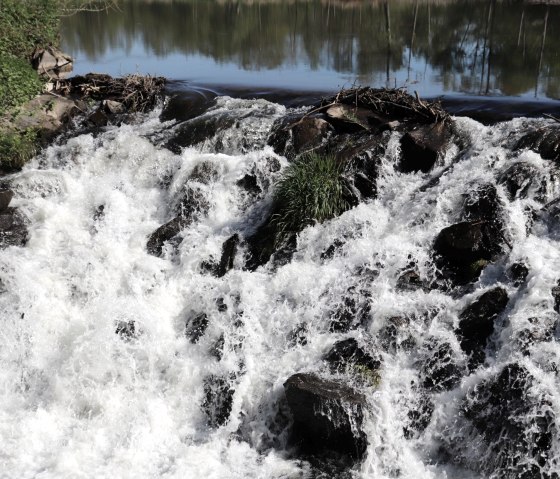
<point x="18" y="82"/>
<point x="311" y="190"/>
<point x="16" y="148"/>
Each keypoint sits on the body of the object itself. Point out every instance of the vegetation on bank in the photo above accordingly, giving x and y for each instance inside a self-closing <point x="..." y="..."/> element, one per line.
<point x="25" y="25"/>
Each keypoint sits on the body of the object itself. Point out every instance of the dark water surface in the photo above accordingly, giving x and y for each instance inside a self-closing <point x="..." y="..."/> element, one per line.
<point x="463" y="47"/>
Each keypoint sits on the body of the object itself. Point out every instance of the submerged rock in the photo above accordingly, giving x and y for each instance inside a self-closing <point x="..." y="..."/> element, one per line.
<point x="218" y="399"/>
<point x="229" y="250"/>
<point x="196" y="326"/>
<point x="512" y="427"/>
<point x="545" y="141"/>
<point x="518" y="273"/>
<point x="165" y="233"/>
<point x="476" y="323"/>
<point x="13" y="228"/>
<point x="422" y="147"/>
<point x="440" y="370"/>
<point x="522" y="180"/>
<point x="5" y="199"/>
<point x="353" y="311"/>
<point x="348" y="355"/>
<point x="126" y="330"/>
<point x="464" y="249"/>
<point x="328" y="416"/>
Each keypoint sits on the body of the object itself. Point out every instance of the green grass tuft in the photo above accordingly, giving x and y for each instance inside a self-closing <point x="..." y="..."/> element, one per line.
<point x="311" y="190"/>
<point x="16" y="148"/>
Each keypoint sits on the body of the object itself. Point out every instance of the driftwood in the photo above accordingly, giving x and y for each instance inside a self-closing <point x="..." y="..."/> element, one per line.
<point x="137" y="93"/>
<point x="395" y="104"/>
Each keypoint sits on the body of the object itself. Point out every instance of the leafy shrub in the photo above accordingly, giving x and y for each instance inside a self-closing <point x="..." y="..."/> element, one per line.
<point x="16" y="148"/>
<point x="18" y="82"/>
<point x="311" y="190"/>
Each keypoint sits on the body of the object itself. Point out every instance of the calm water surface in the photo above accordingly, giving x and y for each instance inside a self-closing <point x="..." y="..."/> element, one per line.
<point x="468" y="47"/>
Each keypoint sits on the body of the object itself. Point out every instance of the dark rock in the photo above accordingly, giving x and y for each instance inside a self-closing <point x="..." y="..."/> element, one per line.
<point x="423" y="147"/>
<point x="440" y="371"/>
<point x="419" y="416"/>
<point x="476" y="323"/>
<point x="5" y="198"/>
<point x="13" y="230"/>
<point x="200" y="129"/>
<point x="126" y="330"/>
<point x="538" y="330"/>
<point x="520" y="179"/>
<point x="556" y="296"/>
<point x="465" y="248"/>
<point x="229" y="250"/>
<point x="98" y="118"/>
<point x="410" y="281"/>
<point x="218" y="399"/>
<point x="221" y="305"/>
<point x="327" y="415"/>
<point x="250" y="184"/>
<point x="309" y="133"/>
<point x="518" y="273"/>
<point x="353" y="311"/>
<point x="360" y="154"/>
<point x="196" y="326"/>
<point x="331" y="250"/>
<point x="99" y="213"/>
<point x="350" y="119"/>
<point x="263" y="246"/>
<point x="165" y="233"/>
<point x="192" y="203"/>
<point x="298" y="336"/>
<point x="187" y="104"/>
<point x="217" y="349"/>
<point x="394" y="334"/>
<point x="545" y="141"/>
<point x="52" y="62"/>
<point x="515" y="423"/>
<point x="204" y="172"/>
<point x="348" y="353"/>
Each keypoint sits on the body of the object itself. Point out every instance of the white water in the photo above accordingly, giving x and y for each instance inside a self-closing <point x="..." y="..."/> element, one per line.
<point x="77" y="401"/>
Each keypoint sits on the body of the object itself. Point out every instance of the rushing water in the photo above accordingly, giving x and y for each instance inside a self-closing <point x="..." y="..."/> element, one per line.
<point x="78" y="400"/>
<point x="478" y="47"/>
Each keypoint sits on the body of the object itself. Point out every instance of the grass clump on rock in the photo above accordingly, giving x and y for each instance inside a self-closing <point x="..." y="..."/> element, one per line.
<point x="312" y="190"/>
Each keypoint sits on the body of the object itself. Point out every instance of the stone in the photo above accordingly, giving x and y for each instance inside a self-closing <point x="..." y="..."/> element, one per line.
<point x="422" y="147"/>
<point x="5" y="199"/>
<point x="410" y="280"/>
<point x="350" y="119"/>
<point x="165" y="233"/>
<point x="419" y="416"/>
<point x="250" y="184"/>
<point x="229" y="250"/>
<point x="556" y="297"/>
<point x="196" y="326"/>
<point x="126" y="330"/>
<point x="218" y="399"/>
<point x="545" y="141"/>
<point x="51" y="62"/>
<point x="328" y="416"/>
<point x="13" y="228"/>
<point x="309" y="133"/>
<point x="518" y="273"/>
<point x="512" y="423"/>
<point x="347" y="354"/>
<point x="298" y="335"/>
<point x="476" y="323"/>
<point x="112" y="107"/>
<point x="440" y="370"/>
<point x="204" y="172"/>
<point x="522" y="180"/>
<point x="353" y="311"/>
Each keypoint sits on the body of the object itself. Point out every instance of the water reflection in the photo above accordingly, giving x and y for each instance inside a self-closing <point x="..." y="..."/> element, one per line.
<point x="471" y="46"/>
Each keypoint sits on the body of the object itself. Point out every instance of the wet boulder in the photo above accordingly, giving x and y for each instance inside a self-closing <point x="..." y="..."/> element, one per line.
<point x="351" y="118"/>
<point x="348" y="356"/>
<point x="5" y="199"/>
<point x="522" y="180"/>
<point x="196" y="326"/>
<point x="476" y="323"/>
<point x="545" y="141"/>
<point x="229" y="250"/>
<point x="518" y="273"/>
<point x="328" y="416"/>
<point x="353" y="311"/>
<point x="410" y="280"/>
<point x="395" y="334"/>
<point x="422" y="147"/>
<point x="440" y="370"/>
<point x="126" y="330"/>
<point x="309" y="133"/>
<point x="164" y="234"/>
<point x="218" y="399"/>
<point x="419" y="416"/>
<point x="13" y="228"/>
<point x="509" y="427"/>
